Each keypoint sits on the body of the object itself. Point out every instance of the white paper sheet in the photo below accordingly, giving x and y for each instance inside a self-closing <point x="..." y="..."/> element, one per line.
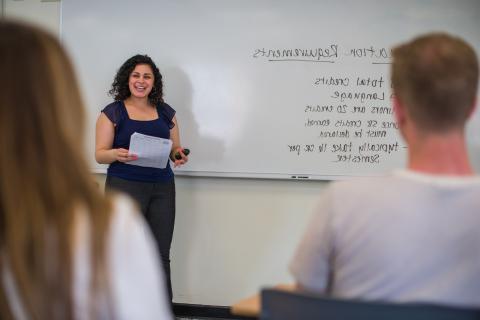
<point x="151" y="151"/>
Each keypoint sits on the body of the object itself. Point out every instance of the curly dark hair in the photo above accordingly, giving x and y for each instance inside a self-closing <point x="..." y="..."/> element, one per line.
<point x="120" y="90"/>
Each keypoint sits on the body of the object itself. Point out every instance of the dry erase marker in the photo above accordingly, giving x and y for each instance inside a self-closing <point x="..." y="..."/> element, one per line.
<point x="178" y="156"/>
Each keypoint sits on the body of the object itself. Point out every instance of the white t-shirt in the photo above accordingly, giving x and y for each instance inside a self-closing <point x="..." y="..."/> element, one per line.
<point x="136" y="279"/>
<point x="404" y="237"/>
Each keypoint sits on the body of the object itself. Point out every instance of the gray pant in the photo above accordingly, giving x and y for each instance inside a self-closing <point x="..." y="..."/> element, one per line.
<point x="157" y="202"/>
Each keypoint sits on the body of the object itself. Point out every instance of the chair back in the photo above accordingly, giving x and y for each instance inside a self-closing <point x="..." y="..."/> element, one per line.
<point x="284" y="305"/>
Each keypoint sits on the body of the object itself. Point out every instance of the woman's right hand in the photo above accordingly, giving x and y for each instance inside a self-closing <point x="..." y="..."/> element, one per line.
<point x="122" y="155"/>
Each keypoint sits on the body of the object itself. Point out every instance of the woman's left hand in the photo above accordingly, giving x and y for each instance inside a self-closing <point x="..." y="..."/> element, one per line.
<point x="182" y="160"/>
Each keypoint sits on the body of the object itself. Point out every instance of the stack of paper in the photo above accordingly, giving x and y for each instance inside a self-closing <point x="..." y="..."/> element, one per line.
<point x="151" y="151"/>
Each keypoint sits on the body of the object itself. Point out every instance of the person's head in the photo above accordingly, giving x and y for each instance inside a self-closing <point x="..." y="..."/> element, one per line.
<point x="44" y="178"/>
<point x="133" y="71"/>
<point x="435" y="80"/>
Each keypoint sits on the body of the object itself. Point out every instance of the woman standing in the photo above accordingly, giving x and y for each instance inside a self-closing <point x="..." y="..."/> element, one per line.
<point x="139" y="107"/>
<point x="66" y="251"/>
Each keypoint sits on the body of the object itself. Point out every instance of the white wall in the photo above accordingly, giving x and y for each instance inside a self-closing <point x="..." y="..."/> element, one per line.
<point x="43" y="13"/>
<point x="232" y="236"/>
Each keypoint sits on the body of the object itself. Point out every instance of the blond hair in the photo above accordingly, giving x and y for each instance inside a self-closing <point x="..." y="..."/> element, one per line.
<point x="435" y="77"/>
<point x="44" y="178"/>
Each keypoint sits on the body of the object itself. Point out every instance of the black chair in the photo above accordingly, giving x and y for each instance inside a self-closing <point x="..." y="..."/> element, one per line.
<point x="284" y="305"/>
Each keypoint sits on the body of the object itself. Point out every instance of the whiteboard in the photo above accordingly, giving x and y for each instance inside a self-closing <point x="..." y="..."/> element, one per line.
<point x="267" y="88"/>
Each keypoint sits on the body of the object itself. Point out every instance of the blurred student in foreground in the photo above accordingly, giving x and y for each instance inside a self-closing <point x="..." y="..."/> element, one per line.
<point x="412" y="235"/>
<point x="67" y="252"/>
